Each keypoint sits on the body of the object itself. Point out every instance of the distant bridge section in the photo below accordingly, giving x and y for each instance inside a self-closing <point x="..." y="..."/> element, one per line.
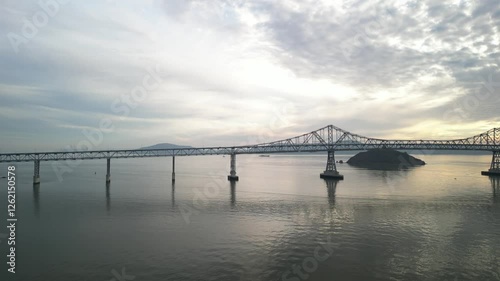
<point x="333" y="138"/>
<point x="328" y="139"/>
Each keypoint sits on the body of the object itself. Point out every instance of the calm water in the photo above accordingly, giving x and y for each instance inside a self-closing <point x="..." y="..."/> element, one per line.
<point x="279" y="222"/>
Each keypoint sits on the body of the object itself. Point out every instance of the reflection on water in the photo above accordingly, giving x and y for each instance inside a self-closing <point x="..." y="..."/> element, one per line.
<point x="437" y="222"/>
<point x="108" y="196"/>
<point x="173" y="194"/>
<point x="233" y="193"/>
<point x="36" y="199"/>
<point x="495" y="186"/>
<point x="331" y="187"/>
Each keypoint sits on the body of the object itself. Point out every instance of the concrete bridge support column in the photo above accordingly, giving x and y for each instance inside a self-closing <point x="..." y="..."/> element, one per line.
<point x="36" y="175"/>
<point x="173" y="168"/>
<point x="331" y="169"/>
<point x="232" y="174"/>
<point x="108" y="170"/>
<point x="495" y="165"/>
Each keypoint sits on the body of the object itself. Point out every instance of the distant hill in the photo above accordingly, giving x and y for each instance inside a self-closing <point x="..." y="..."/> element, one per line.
<point x="384" y="158"/>
<point x="165" y="146"/>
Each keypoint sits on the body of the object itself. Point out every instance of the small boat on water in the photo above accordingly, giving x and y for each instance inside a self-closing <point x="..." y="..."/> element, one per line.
<point x="264" y="155"/>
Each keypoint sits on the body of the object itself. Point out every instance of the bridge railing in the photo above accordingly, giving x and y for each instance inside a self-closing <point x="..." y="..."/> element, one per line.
<point x="325" y="139"/>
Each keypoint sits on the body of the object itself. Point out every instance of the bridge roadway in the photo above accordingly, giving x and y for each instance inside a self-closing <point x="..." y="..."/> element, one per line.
<point x="327" y="139"/>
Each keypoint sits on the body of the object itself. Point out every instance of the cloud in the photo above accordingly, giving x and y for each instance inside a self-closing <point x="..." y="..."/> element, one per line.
<point x="232" y="71"/>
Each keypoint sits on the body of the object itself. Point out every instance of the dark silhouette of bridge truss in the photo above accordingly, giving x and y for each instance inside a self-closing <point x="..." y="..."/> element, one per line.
<point x="328" y="139"/>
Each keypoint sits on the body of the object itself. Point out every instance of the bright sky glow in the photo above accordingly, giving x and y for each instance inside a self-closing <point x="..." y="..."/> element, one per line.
<point x="232" y="72"/>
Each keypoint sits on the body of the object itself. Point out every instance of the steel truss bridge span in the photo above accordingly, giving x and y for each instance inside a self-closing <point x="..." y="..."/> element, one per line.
<point x="327" y="139"/>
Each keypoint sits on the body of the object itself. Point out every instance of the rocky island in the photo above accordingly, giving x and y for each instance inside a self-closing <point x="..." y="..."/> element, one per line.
<point x="384" y="158"/>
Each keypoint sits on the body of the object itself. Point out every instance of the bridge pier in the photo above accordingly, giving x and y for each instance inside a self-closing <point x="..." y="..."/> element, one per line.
<point x="331" y="168"/>
<point x="495" y="165"/>
<point x="232" y="174"/>
<point x="36" y="175"/>
<point x="108" y="170"/>
<point x="173" y="168"/>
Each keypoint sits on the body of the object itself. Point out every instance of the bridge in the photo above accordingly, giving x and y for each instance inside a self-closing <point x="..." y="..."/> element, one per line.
<point x="327" y="139"/>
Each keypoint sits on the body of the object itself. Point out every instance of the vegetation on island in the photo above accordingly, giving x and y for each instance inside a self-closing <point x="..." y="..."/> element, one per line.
<point x="384" y="158"/>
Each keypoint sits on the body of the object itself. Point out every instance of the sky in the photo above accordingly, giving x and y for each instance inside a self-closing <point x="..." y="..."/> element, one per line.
<point x="128" y="74"/>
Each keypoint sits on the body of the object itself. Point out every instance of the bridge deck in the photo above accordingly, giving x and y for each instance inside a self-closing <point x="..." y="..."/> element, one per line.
<point x="328" y="138"/>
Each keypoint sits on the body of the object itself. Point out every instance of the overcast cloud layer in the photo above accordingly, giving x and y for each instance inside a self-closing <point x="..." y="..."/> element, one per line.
<point x="233" y="72"/>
